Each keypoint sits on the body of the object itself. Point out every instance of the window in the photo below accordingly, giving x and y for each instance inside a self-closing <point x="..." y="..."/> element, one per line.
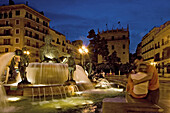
<point x="43" y="39"/>
<point x="158" y="45"/>
<point x="5" y="15"/>
<point x="28" y="42"/>
<point x="26" y="33"/>
<point x="1" y="15"/>
<point x="6" y="41"/>
<point x="58" y="42"/>
<point x="6" y="49"/>
<point x="113" y="37"/>
<point x="26" y="14"/>
<point x="63" y="50"/>
<point x="53" y="40"/>
<point x="162" y="41"/>
<point x="7" y="32"/>
<point x="17" y="13"/>
<point x="123" y="52"/>
<point x="7" y="23"/>
<point x="10" y="14"/>
<point x="36" y="36"/>
<point x="124" y="37"/>
<point x="37" y="20"/>
<point x="17" y="31"/>
<point x="30" y="16"/>
<point x="17" y="40"/>
<point x="113" y="47"/>
<point x="155" y="46"/>
<point x="123" y="46"/>
<point x="17" y="22"/>
<point x="37" y="45"/>
<point x="30" y="34"/>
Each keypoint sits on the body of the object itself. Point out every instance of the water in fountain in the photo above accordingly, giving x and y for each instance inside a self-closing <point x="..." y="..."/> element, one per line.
<point x="4" y="61"/>
<point x="55" y="73"/>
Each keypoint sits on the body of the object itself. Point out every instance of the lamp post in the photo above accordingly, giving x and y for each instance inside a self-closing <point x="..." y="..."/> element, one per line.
<point x="83" y="50"/>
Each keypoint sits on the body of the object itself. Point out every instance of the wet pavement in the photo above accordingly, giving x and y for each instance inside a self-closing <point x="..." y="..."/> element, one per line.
<point x="164" y="100"/>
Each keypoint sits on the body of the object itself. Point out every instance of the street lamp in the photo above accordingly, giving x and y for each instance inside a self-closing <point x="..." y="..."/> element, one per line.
<point x="83" y="50"/>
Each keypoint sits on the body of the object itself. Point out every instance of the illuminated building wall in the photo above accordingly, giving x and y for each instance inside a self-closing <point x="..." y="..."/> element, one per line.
<point x="22" y="26"/>
<point x="117" y="40"/>
<point x="156" y="48"/>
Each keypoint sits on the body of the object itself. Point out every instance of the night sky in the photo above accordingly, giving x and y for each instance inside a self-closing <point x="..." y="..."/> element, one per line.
<point x="75" y="18"/>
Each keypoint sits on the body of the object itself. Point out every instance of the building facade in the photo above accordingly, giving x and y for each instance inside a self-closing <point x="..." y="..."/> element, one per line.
<point x="117" y="40"/>
<point x="156" y="48"/>
<point x="22" y="26"/>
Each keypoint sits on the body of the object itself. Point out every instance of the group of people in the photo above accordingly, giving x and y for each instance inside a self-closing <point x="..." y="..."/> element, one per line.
<point x="143" y="81"/>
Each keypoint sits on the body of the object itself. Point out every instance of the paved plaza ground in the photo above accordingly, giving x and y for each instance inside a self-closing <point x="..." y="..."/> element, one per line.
<point x="164" y="101"/>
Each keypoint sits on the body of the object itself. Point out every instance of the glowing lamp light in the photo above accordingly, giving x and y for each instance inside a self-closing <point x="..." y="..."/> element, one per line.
<point x="13" y="99"/>
<point x="83" y="50"/>
<point x="26" y="52"/>
<point x="153" y="63"/>
<point x="80" y="50"/>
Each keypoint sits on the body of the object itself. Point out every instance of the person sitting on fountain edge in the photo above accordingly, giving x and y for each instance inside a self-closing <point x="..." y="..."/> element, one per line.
<point x="152" y="76"/>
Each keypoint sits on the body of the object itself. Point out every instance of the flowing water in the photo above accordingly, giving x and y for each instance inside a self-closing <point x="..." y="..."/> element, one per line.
<point x="4" y="59"/>
<point x="49" y="74"/>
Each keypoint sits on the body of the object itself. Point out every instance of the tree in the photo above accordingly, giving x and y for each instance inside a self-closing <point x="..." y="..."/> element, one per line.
<point x="103" y="49"/>
<point x="97" y="45"/>
<point x="114" y="61"/>
<point x="93" y="46"/>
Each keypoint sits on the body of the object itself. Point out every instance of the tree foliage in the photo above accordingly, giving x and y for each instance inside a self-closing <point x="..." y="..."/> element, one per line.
<point x="97" y="45"/>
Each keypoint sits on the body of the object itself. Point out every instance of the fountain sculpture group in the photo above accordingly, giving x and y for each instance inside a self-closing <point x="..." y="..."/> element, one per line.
<point x="35" y="78"/>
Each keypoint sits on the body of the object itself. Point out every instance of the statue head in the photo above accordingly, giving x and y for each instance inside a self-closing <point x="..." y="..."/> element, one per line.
<point x="48" y="39"/>
<point x="18" y="52"/>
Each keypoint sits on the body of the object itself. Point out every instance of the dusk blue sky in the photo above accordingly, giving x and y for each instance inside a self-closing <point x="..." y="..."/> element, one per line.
<point x="75" y="18"/>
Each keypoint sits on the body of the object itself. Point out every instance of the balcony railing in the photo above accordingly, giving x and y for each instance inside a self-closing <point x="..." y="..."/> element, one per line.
<point x="36" y="21"/>
<point x="34" y="28"/>
<point x="32" y="45"/>
<point x="6" y="44"/>
<point x="8" y="34"/>
<point x="5" y="25"/>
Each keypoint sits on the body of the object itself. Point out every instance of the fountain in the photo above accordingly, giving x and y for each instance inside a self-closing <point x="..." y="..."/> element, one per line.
<point x="40" y="83"/>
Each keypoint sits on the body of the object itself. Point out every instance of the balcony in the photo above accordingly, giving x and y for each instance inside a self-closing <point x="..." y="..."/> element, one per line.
<point x="9" y="26"/>
<point x="32" y="46"/>
<point x="35" y="29"/>
<point x="6" y="44"/>
<point x="8" y="35"/>
<point x="32" y="19"/>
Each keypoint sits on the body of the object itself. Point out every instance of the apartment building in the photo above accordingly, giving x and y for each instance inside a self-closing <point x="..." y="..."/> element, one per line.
<point x="156" y="48"/>
<point x="22" y="26"/>
<point x="117" y="40"/>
